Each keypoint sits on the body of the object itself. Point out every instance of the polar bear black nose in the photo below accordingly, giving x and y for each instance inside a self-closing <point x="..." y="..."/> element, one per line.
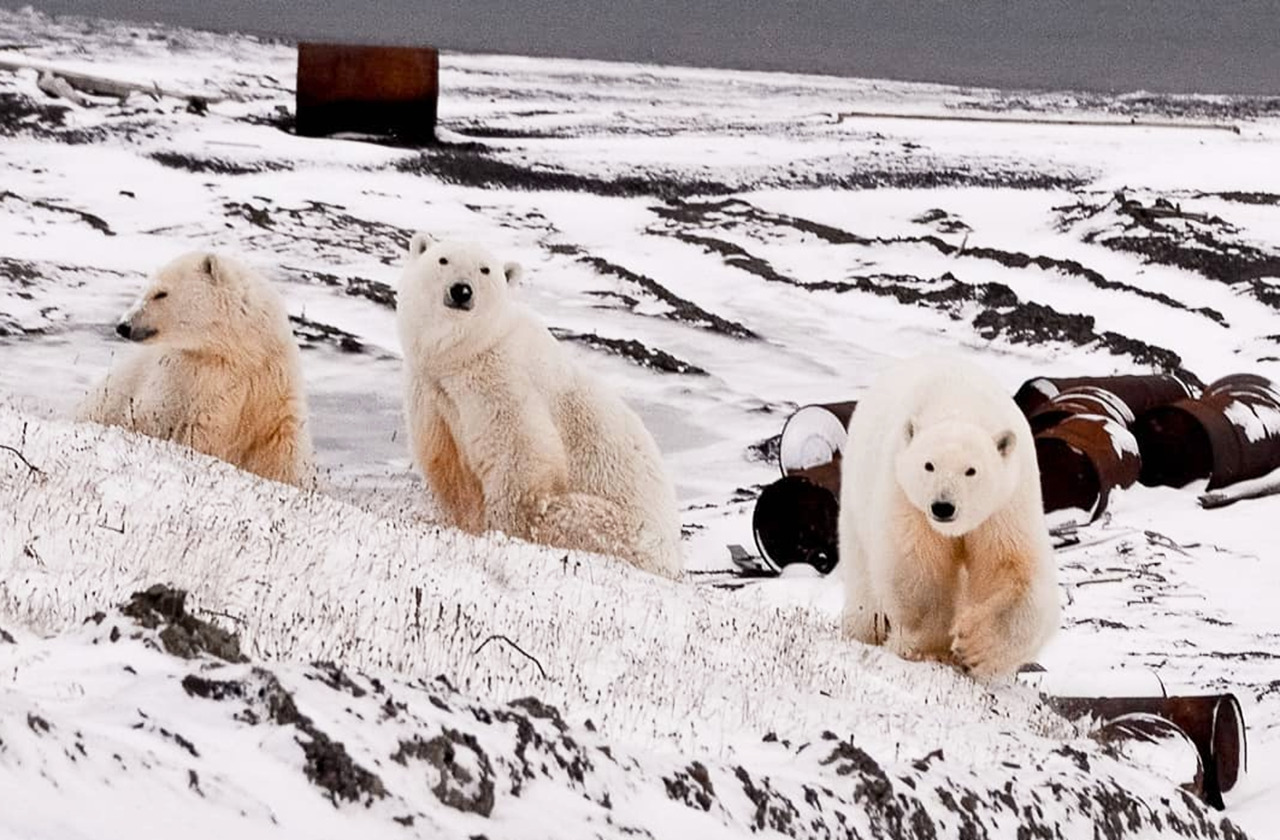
<point x="460" y="294"/>
<point x="943" y="511"/>
<point x="123" y="329"/>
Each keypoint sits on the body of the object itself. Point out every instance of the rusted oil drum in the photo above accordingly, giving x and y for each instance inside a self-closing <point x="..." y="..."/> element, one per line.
<point x="379" y="90"/>
<point x="1154" y="742"/>
<point x="813" y="435"/>
<point x="1231" y="433"/>
<point x="796" y="519"/>
<point x="1079" y="400"/>
<point x="1214" y="723"/>
<point x="1139" y="393"/>
<point x="1082" y="459"/>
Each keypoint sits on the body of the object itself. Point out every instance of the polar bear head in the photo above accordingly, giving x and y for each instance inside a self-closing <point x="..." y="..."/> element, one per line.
<point x="453" y="297"/>
<point x="957" y="474"/>
<point x="200" y="300"/>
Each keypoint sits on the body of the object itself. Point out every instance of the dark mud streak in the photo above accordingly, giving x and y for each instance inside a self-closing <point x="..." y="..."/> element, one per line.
<point x="633" y="350"/>
<point x="313" y="333"/>
<point x="476" y="166"/>
<point x="681" y="309"/>
<point x="216" y="166"/>
<point x="1005" y="315"/>
<point x="324" y="223"/>
<point x="96" y="222"/>
<point x="699" y="213"/>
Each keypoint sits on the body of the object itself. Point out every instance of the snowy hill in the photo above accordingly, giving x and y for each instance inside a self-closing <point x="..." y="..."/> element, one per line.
<point x="722" y="247"/>
<point x="471" y="686"/>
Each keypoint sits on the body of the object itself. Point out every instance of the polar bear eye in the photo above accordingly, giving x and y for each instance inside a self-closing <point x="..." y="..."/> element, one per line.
<point x="928" y="466"/>
<point x="971" y="472"/>
<point x="160" y="296"/>
<point x="484" y="270"/>
<point x="444" y="261"/>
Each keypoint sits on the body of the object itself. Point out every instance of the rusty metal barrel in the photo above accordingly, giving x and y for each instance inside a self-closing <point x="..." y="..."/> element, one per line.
<point x="1214" y="723"/>
<point x="1082" y="460"/>
<point x="368" y="90"/>
<point x="1084" y="448"/>
<point x="813" y="435"/>
<point x="796" y="518"/>
<point x="1231" y="433"/>
<point x="1139" y="393"/>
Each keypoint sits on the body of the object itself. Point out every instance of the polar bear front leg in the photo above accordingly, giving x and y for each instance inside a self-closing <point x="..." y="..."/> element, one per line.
<point x="863" y="618"/>
<point x="923" y="582"/>
<point x="1009" y="605"/>
<point x="451" y="479"/>
<point x="516" y="452"/>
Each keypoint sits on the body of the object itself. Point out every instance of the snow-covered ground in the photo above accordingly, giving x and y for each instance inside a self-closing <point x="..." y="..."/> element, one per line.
<point x="764" y="252"/>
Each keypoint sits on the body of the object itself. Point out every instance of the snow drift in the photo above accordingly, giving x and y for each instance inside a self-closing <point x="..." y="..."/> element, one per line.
<point x="468" y="686"/>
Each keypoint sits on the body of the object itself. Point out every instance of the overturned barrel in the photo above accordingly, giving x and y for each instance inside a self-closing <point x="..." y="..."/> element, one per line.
<point x="1231" y="433"/>
<point x="1213" y="723"/>
<point x="1080" y="400"/>
<point x="1139" y="393"/>
<point x="813" y="435"/>
<point x="1082" y="459"/>
<point x="796" y="519"/>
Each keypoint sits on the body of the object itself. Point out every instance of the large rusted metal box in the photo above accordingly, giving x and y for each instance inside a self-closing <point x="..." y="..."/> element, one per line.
<point x="390" y="91"/>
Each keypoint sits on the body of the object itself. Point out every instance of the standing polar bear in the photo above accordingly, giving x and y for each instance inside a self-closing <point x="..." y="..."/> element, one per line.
<point x="217" y="369"/>
<point x="943" y="543"/>
<point x="509" y="433"/>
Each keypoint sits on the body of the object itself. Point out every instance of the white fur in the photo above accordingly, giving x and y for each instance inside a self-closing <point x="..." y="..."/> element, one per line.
<point x="980" y="589"/>
<point x="511" y="434"/>
<point x="215" y="368"/>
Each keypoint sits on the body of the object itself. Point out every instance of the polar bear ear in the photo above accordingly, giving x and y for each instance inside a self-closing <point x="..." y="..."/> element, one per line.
<point x="909" y="431"/>
<point x="1005" y="443"/>
<point x="420" y="243"/>
<point x="514" y="273"/>
<point x="213" y="269"/>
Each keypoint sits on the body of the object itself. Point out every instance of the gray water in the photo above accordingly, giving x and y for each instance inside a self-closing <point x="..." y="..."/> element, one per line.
<point x="1179" y="46"/>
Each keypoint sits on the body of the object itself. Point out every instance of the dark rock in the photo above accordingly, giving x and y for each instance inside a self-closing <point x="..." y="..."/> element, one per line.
<point x="457" y="788"/>
<point x="181" y="634"/>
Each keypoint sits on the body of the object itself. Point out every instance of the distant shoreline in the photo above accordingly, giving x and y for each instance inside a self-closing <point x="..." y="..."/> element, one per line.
<point x="1186" y="46"/>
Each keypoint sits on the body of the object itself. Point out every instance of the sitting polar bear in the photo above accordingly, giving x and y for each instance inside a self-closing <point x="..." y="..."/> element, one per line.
<point x="509" y="433"/>
<point x="943" y="542"/>
<point x="216" y="369"/>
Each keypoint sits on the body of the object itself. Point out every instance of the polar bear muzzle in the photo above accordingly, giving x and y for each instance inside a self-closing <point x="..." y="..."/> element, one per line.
<point x="127" y="331"/>
<point x="460" y="296"/>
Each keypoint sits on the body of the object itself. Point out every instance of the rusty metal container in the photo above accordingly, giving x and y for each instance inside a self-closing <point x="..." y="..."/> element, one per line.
<point x="389" y="91"/>
<point x="1231" y="433"/>
<point x="1214" y="723"/>
<point x="1079" y="400"/>
<point x="1082" y="459"/>
<point x="1138" y="393"/>
<point x="813" y="435"/>
<point x="796" y="519"/>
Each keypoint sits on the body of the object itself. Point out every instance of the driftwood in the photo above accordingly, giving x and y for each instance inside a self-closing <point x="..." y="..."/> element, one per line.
<point x="60" y="88"/>
<point x="1254" y="488"/>
<point x="841" y="116"/>
<point x="99" y="85"/>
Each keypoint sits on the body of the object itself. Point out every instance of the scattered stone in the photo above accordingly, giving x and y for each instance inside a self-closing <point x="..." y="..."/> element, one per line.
<point x="164" y="608"/>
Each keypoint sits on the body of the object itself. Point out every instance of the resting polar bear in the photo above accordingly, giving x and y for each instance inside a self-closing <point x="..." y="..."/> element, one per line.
<point x="509" y="433"/>
<point x="217" y="369"/>
<point x="943" y="542"/>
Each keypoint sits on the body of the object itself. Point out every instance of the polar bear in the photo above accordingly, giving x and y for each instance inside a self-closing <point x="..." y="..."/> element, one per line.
<point x="216" y="369"/>
<point x="944" y="549"/>
<point x="509" y="432"/>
